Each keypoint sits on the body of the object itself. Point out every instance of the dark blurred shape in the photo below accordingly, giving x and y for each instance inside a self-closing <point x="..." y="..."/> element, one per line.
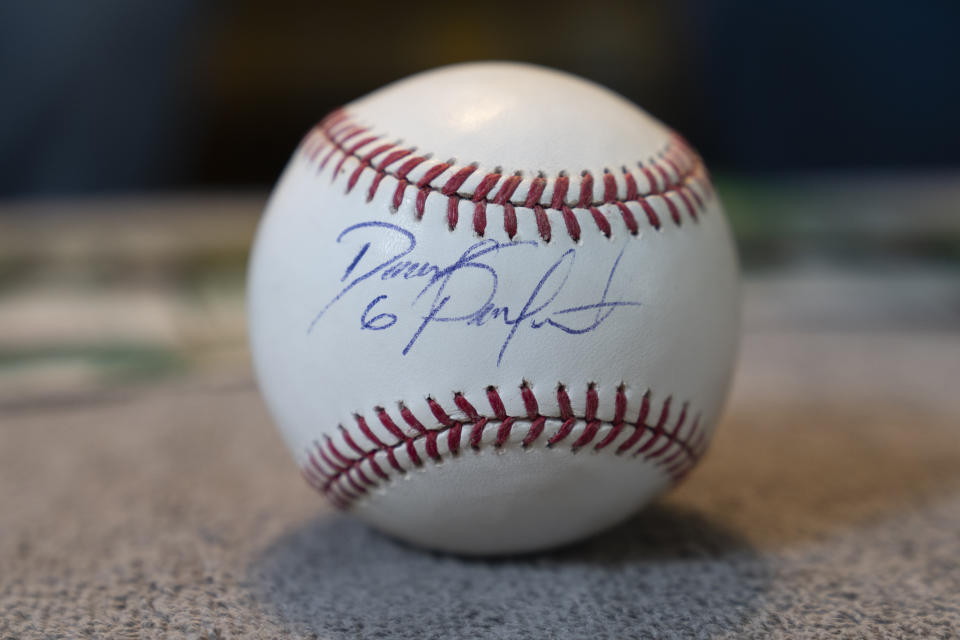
<point x="107" y="96"/>
<point x="820" y="84"/>
<point x="96" y="95"/>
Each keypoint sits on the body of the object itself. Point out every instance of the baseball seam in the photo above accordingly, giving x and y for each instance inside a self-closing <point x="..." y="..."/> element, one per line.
<point x="668" y="183"/>
<point x="346" y="473"/>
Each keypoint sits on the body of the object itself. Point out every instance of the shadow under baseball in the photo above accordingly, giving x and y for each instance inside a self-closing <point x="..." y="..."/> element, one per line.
<point x="665" y="572"/>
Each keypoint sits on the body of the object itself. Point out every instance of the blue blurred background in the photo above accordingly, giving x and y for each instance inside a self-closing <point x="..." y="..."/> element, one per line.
<point x="104" y="96"/>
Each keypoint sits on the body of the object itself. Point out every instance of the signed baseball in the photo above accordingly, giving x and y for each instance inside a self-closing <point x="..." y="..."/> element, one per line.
<point x="493" y="308"/>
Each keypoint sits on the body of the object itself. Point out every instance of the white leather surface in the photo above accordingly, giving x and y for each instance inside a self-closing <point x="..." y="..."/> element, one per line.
<point x="679" y="342"/>
<point x="556" y="122"/>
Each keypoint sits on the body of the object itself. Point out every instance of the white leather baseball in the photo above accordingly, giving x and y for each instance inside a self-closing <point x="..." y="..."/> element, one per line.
<point x="493" y="308"/>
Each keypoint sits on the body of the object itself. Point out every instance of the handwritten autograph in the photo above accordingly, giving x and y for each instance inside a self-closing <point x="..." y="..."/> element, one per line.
<point x="441" y="281"/>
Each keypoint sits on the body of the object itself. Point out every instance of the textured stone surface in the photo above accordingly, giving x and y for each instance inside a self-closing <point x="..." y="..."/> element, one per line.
<point x="829" y="506"/>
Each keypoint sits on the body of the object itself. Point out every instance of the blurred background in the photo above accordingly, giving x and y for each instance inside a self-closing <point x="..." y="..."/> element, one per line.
<point x="139" y="140"/>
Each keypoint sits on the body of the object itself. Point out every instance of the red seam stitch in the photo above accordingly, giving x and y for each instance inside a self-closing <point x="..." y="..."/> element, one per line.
<point x="588" y="435"/>
<point x="464" y="405"/>
<point x="671" y="437"/>
<point x="560" y="186"/>
<point x="381" y="172"/>
<point x="346" y="481"/>
<point x="420" y="205"/>
<point x="486" y="186"/>
<point x="629" y="219"/>
<point x="336" y="452"/>
<point x="641" y="419"/>
<point x="350" y="152"/>
<point x="453" y="212"/>
<point x="673" y="456"/>
<point x="453" y="438"/>
<point x="503" y="432"/>
<point x="696" y="196"/>
<point x="654" y="187"/>
<point x="673" y="165"/>
<point x="593" y="402"/>
<point x="652" y="216"/>
<point x="570" y="220"/>
<point x="334" y="143"/>
<point x="620" y="404"/>
<point x="509" y="220"/>
<point x="412" y="453"/>
<point x="690" y="208"/>
<point x="338" y="146"/>
<point x="563" y="402"/>
<point x="609" y="187"/>
<point x="439" y="413"/>
<point x="529" y="401"/>
<point x="401" y="177"/>
<point x="610" y="437"/>
<point x="363" y="477"/>
<point x="326" y="458"/>
<point x="376" y="467"/>
<point x="602" y="224"/>
<point x="667" y="182"/>
<point x="392" y="459"/>
<point x="586" y="189"/>
<point x="563" y="432"/>
<point x="316" y="466"/>
<point x="506" y="191"/>
<point x="457" y="180"/>
<point x="364" y="164"/>
<point x="431" y="446"/>
<point x="620" y="411"/>
<point x="632" y="191"/>
<point x="658" y="429"/>
<point x="496" y="403"/>
<point x="477" y="433"/>
<point x="350" y="442"/>
<point x="674" y="212"/>
<point x="536" y="191"/>
<point x="480" y="217"/>
<point x="543" y="224"/>
<point x="392" y="157"/>
<point x="480" y="204"/>
<point x="311" y="479"/>
<point x="411" y="419"/>
<point x="387" y="423"/>
<point x="536" y="428"/>
<point x="353" y="483"/>
<point x="432" y="173"/>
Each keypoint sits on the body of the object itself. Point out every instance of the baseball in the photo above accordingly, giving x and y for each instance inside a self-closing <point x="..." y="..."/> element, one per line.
<point x="493" y="308"/>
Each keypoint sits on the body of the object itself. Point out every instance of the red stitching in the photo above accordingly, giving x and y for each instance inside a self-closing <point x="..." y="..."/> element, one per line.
<point x="609" y="187"/>
<point x="410" y="419"/>
<point x="543" y="223"/>
<point x="631" y="221"/>
<point x="569" y="219"/>
<point x="503" y="432"/>
<point x="586" y="190"/>
<point x="641" y="419"/>
<point x="602" y="224"/>
<point x="536" y="428"/>
<point x="675" y="171"/>
<point x="346" y="475"/>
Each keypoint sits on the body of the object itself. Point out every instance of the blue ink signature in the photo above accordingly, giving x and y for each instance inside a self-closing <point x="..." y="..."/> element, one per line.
<point x="439" y="289"/>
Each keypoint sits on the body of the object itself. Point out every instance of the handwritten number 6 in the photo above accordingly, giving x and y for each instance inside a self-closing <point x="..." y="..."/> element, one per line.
<point x="378" y="322"/>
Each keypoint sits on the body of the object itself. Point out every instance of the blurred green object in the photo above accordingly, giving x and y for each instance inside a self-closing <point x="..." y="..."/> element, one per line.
<point x="868" y="221"/>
